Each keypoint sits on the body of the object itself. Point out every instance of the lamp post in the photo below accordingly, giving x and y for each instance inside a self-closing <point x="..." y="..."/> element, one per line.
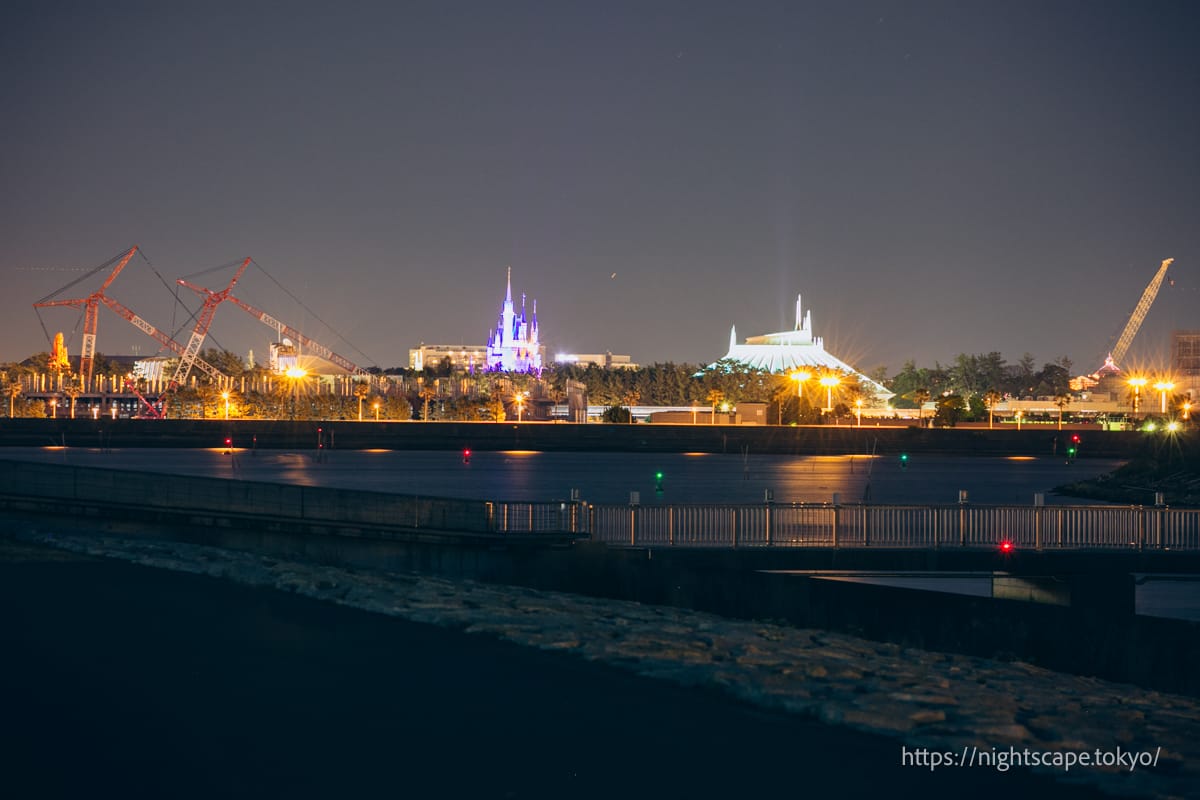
<point x="225" y="397"/>
<point x="1137" y="384"/>
<point x="800" y="378"/>
<point x="520" y="400"/>
<point x="1187" y="410"/>
<point x="54" y="408"/>
<point x="376" y="407"/>
<point x="1162" y="387"/>
<point x="1018" y="419"/>
<point x="296" y="374"/>
<point x="829" y="381"/>
<point x="858" y="411"/>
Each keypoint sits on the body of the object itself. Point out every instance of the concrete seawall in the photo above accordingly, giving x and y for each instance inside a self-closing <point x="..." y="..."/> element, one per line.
<point x="799" y="440"/>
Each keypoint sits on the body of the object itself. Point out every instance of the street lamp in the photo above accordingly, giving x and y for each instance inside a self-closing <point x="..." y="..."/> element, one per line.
<point x="858" y="411"/>
<point x="520" y="400"/>
<point x="1137" y="384"/>
<point x="225" y="397"/>
<point x="296" y="374"/>
<point x="799" y="377"/>
<point x="829" y="381"/>
<point x="54" y="408"/>
<point x="375" y="406"/>
<point x="1018" y="419"/>
<point x="1187" y="410"/>
<point x="1162" y="387"/>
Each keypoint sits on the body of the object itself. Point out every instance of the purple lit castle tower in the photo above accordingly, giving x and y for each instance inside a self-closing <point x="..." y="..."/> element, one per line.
<point x="513" y="346"/>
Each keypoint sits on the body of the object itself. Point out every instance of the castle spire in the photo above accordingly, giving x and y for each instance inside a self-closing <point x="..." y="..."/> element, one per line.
<point x="508" y="287"/>
<point x="799" y="317"/>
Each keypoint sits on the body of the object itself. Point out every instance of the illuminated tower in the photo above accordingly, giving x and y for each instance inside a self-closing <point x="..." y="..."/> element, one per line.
<point x="513" y="345"/>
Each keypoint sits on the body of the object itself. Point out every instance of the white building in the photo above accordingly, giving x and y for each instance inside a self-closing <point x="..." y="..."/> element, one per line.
<point x="794" y="351"/>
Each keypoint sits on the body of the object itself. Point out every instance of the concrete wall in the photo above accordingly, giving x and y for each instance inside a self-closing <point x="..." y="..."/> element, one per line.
<point x="789" y="440"/>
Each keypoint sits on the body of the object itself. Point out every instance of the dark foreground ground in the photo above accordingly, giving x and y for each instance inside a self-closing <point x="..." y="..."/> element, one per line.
<point x="127" y="681"/>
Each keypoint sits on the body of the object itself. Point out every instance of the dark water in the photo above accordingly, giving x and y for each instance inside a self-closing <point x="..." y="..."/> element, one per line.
<point x="610" y="477"/>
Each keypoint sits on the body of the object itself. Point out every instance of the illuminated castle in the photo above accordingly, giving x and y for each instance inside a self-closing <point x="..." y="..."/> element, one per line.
<point x="513" y="346"/>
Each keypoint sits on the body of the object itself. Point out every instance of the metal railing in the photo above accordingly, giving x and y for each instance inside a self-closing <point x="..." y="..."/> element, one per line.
<point x="67" y="488"/>
<point x="944" y="526"/>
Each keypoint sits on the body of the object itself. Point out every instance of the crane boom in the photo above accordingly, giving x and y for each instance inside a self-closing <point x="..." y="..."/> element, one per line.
<point x="211" y="300"/>
<point x="161" y="338"/>
<point x="91" y="309"/>
<point x="1139" y="313"/>
<point x="286" y="330"/>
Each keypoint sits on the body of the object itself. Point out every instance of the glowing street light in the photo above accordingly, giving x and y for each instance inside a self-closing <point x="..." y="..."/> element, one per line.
<point x="1137" y="384"/>
<point x="95" y="412"/>
<point x="225" y="397"/>
<point x="519" y="398"/>
<point x="295" y="374"/>
<point x="375" y="406"/>
<point x="800" y="377"/>
<point x="829" y="381"/>
<point x="858" y="411"/>
<point x="1162" y="387"/>
<point x="1187" y="410"/>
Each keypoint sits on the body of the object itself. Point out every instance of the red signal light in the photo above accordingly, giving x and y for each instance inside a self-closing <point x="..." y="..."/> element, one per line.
<point x="467" y="455"/>
<point x="1006" y="546"/>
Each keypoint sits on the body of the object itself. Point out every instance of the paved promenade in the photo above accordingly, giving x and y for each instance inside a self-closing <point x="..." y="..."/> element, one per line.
<point x="153" y="680"/>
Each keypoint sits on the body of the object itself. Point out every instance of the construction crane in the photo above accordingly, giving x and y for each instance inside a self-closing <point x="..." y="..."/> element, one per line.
<point x="91" y="308"/>
<point x="213" y="299"/>
<point x="1138" y="315"/>
<point x="313" y="346"/>
<point x="162" y="338"/>
<point x="203" y="322"/>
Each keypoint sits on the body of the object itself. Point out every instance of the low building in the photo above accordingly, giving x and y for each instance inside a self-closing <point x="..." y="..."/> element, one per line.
<point x="605" y="360"/>
<point x="467" y="357"/>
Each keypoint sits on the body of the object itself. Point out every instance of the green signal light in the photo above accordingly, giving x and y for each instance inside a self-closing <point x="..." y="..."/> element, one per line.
<point x="658" y="476"/>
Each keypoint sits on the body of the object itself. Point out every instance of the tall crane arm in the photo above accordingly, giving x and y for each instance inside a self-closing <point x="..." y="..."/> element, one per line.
<point x="162" y="338"/>
<point x="1139" y="313"/>
<point x="286" y="330"/>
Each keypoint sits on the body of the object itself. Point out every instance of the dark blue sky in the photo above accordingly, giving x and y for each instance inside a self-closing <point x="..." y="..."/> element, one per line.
<point x="935" y="178"/>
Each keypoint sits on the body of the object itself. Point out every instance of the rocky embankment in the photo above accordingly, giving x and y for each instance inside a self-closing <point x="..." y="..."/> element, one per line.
<point x="950" y="703"/>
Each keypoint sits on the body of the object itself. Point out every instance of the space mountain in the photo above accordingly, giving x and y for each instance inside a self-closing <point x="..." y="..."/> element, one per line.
<point x="793" y="351"/>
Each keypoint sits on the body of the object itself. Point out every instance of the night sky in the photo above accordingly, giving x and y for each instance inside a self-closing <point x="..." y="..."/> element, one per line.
<point x="934" y="178"/>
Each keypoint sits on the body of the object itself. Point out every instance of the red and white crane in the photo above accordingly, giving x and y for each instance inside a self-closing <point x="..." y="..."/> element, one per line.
<point x="204" y="320"/>
<point x="91" y="308"/>
<point x="213" y="299"/>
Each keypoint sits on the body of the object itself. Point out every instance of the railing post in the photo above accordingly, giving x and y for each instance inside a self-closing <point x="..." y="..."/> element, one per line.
<point x="836" y="519"/>
<point x="734" y="514"/>
<point x="635" y="499"/>
<point x="505" y="522"/>
<point x="1039" y="501"/>
<point x="1059" y="519"/>
<point x="962" y="517"/>
<point x="671" y="525"/>
<point x="768" y="497"/>
<point x="937" y="528"/>
<point x="1160" y="504"/>
<point x="1141" y="527"/>
<point x="491" y="515"/>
